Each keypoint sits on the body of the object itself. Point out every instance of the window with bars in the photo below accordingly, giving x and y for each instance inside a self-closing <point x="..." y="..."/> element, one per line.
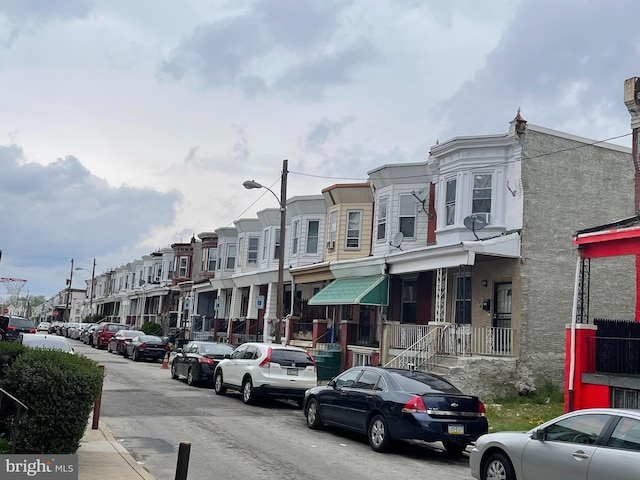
<point x="462" y="300"/>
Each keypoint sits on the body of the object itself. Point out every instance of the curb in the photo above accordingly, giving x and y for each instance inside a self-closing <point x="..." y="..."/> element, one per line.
<point x="126" y="456"/>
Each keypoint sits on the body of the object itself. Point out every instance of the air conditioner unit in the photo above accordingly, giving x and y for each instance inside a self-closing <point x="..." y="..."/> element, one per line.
<point x="331" y="245"/>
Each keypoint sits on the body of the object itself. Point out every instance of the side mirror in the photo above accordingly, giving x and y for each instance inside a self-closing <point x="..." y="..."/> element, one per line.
<point x="332" y="383"/>
<point x="227" y="355"/>
<point x="178" y="350"/>
<point x="539" y="434"/>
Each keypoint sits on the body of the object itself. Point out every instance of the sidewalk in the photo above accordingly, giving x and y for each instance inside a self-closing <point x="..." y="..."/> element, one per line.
<point x="100" y="456"/>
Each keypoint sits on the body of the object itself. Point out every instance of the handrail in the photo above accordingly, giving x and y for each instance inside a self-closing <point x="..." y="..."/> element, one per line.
<point x="16" y="421"/>
<point x="416" y="346"/>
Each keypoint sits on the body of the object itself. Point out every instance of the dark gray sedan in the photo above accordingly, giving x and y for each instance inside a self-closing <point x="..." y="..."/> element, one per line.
<point x="197" y="361"/>
<point x="590" y="444"/>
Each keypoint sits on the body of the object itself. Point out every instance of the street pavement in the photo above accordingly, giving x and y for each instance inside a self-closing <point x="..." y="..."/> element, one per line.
<point x="100" y="457"/>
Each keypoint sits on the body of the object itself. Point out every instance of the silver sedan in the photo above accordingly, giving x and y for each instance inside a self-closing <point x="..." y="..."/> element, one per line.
<point x="590" y="444"/>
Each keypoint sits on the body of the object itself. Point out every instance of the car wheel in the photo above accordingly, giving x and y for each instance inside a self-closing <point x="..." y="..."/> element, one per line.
<point x="454" y="448"/>
<point x="134" y="356"/>
<point x="498" y="467"/>
<point x="247" y="391"/>
<point x="313" y="415"/>
<point x="2" y="336"/>
<point x="174" y="375"/>
<point x="217" y="385"/>
<point x="378" y="434"/>
<point x="190" y="380"/>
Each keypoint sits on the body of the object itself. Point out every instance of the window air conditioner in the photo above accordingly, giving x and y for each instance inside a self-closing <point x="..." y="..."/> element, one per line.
<point x="331" y="245"/>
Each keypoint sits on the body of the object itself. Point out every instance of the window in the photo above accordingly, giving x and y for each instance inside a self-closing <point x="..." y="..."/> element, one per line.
<point x="183" y="265"/>
<point x="313" y="229"/>
<point x="626" y="435"/>
<point x="231" y="257"/>
<point x="220" y="259"/>
<point x="213" y="255"/>
<point x="265" y="245"/>
<point x="347" y="379"/>
<point x="353" y="229"/>
<point x="252" y="254"/>
<point x="481" y="203"/>
<point x="240" y="252"/>
<point x="450" y="202"/>
<point x="368" y="380"/>
<point x="463" y="299"/>
<point x="409" y="297"/>
<point x="333" y="226"/>
<point x="381" y="218"/>
<point x="582" y="429"/>
<point x="157" y="272"/>
<point x="407" y="217"/>
<point x="276" y="248"/>
<point x="295" y="236"/>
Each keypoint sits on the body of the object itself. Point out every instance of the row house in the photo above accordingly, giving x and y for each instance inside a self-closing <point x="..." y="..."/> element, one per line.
<point x="458" y="264"/>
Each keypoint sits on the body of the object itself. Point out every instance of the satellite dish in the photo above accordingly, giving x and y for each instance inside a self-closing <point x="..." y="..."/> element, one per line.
<point x="397" y="240"/>
<point x="473" y="223"/>
<point x="421" y="194"/>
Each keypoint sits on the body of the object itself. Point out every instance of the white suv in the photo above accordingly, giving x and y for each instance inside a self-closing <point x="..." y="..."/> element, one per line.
<point x="265" y="369"/>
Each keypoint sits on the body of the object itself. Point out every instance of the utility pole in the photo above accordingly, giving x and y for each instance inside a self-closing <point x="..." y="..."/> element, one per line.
<point x="93" y="276"/>
<point x="283" y="226"/>
<point x="67" y="313"/>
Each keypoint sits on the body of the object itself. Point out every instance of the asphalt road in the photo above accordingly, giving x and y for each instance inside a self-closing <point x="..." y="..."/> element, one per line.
<point x="151" y="414"/>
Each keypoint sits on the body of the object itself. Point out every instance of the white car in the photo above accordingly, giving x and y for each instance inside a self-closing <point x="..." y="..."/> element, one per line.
<point x="45" y="342"/>
<point x="267" y="370"/>
<point x="44" y="326"/>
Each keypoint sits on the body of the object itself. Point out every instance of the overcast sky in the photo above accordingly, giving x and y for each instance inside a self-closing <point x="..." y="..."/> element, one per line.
<point x="126" y="126"/>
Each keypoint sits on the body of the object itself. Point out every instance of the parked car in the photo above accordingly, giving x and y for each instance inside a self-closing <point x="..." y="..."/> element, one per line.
<point x="197" y="361"/>
<point x="265" y="369"/>
<point x="87" y="335"/>
<point x="146" y="347"/>
<point x="119" y="339"/>
<point x="389" y="404"/>
<point x="12" y="326"/>
<point x="73" y="332"/>
<point x="54" y="327"/>
<point x="45" y="342"/>
<point x="43" y="327"/>
<point x="104" y="332"/>
<point x="598" y="444"/>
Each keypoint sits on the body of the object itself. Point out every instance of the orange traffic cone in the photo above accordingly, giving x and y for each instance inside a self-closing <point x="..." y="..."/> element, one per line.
<point x="165" y="361"/>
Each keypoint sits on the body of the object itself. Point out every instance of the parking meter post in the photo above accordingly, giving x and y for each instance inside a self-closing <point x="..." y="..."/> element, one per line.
<point x="96" y="406"/>
<point x="183" y="460"/>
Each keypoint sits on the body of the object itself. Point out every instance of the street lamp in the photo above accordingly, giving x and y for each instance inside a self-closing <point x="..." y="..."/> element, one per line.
<point x="93" y="274"/>
<point x="282" y="200"/>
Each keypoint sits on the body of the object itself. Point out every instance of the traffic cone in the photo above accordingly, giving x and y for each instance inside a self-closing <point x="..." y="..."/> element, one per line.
<point x="165" y="361"/>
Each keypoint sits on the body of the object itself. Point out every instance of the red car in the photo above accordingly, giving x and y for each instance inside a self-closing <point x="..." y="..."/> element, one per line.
<point x="104" y="332"/>
<point x="119" y="340"/>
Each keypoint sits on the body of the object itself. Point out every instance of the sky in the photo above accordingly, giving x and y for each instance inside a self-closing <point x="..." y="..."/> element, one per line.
<point x="126" y="126"/>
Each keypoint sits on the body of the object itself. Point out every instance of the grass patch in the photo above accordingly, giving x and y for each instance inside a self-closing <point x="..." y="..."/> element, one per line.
<point x="525" y="412"/>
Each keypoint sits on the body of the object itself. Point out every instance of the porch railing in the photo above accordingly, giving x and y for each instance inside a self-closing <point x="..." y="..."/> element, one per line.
<point x="11" y="409"/>
<point x="424" y="353"/>
<point x="613" y="355"/>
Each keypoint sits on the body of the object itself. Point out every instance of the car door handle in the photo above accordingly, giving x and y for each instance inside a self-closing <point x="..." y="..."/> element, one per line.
<point x="579" y="455"/>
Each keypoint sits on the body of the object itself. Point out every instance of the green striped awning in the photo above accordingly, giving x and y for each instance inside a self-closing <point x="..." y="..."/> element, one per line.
<point x="354" y="291"/>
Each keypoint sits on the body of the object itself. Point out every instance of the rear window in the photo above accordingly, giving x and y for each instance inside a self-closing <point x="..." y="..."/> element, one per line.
<point x="113" y="328"/>
<point x="46" y="344"/>
<point x="149" y="338"/>
<point x="417" y="382"/>
<point x="290" y="358"/>
<point x="216" y="348"/>
<point x="21" y="322"/>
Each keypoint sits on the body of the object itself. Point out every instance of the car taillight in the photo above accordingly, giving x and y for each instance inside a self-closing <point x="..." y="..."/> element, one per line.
<point x="265" y="363"/>
<point x="415" y="405"/>
<point x="205" y="360"/>
<point x="167" y="348"/>
<point x="482" y="411"/>
<point x="10" y="328"/>
<point x="33" y="330"/>
<point x="143" y="345"/>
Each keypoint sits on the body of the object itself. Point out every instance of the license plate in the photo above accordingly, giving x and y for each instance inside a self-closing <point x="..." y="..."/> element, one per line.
<point x="456" y="429"/>
<point x="292" y="371"/>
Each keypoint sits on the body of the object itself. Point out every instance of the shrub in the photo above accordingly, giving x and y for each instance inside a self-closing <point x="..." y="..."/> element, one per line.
<point x="9" y="352"/>
<point x="151" y="328"/>
<point x="59" y="389"/>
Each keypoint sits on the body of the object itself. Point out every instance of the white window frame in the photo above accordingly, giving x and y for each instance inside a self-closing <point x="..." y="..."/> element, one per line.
<point x="183" y="266"/>
<point x="310" y="238"/>
<point x="252" y="250"/>
<point x="450" y="203"/>
<point x="232" y="252"/>
<point x="276" y="246"/>
<point x="476" y="209"/>
<point x="407" y="209"/>
<point x="350" y="235"/>
<point x="212" y="259"/>
<point x="295" y="236"/>
<point x="265" y="245"/>
<point x="333" y="226"/>
<point x="381" y="218"/>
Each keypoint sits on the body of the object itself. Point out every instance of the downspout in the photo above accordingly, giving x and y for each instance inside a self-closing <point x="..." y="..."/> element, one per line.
<point x="572" y="348"/>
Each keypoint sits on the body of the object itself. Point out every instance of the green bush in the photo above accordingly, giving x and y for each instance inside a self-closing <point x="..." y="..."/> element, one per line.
<point x="9" y="352"/>
<point x="151" y="328"/>
<point x="59" y="389"/>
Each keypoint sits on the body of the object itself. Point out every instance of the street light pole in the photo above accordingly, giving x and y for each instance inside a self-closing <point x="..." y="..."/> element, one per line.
<point x="250" y="184"/>
<point x="93" y="276"/>
<point x="67" y="313"/>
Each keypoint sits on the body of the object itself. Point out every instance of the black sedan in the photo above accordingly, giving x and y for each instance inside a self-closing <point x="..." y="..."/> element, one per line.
<point x="389" y="404"/>
<point x="146" y="347"/>
<point x="197" y="361"/>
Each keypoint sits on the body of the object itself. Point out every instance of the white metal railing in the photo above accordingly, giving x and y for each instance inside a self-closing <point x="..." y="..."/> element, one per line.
<point x="470" y="340"/>
<point x="403" y="335"/>
<point x="423" y="351"/>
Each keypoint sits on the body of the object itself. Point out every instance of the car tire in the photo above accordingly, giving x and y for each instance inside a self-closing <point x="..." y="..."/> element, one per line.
<point x="134" y="356"/>
<point x="219" y="388"/>
<point x="190" y="380"/>
<point x="174" y="375"/>
<point x="454" y="448"/>
<point x="2" y="336"/>
<point x="498" y="466"/>
<point x="378" y="434"/>
<point x="313" y="414"/>
<point x="247" y="391"/>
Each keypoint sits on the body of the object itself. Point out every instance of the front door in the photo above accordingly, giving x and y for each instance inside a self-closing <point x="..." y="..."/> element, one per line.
<point x="502" y="318"/>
